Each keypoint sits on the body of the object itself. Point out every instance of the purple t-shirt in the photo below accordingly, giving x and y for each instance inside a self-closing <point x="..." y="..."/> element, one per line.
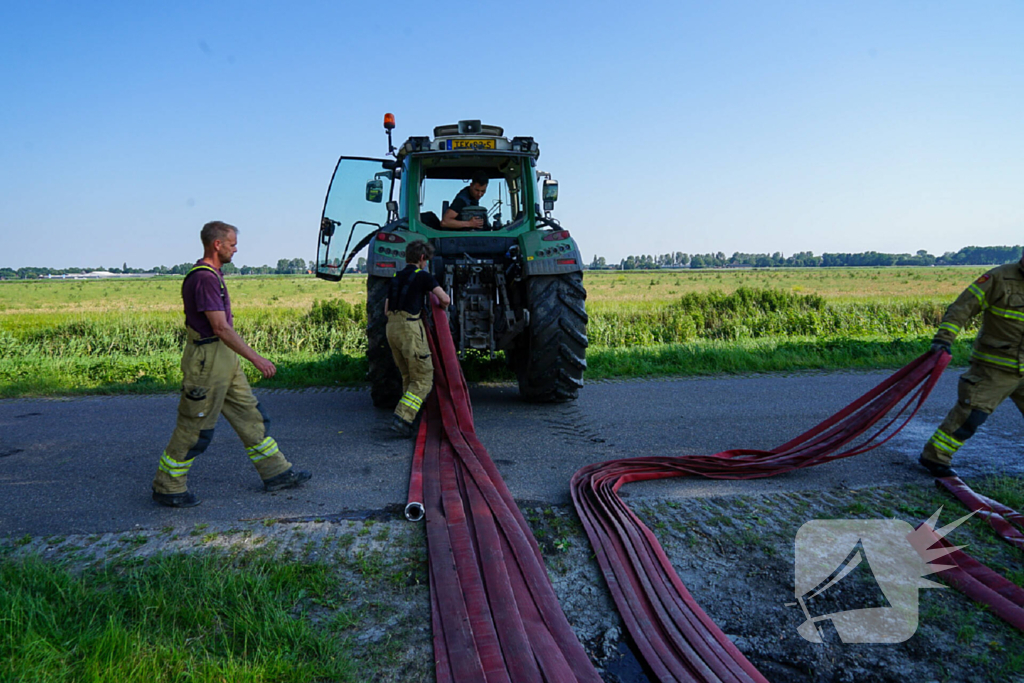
<point x="204" y="290"/>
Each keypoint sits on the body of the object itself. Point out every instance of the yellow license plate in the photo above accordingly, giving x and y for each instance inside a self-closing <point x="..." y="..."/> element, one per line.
<point x="473" y="144"/>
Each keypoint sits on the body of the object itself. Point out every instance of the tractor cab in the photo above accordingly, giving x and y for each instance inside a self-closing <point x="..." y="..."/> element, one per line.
<point x="414" y="191"/>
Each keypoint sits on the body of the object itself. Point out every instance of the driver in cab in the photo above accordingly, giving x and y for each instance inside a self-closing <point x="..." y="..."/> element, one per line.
<point x="468" y="196"/>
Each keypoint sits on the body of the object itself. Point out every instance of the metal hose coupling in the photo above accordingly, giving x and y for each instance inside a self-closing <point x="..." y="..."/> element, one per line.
<point x="414" y="512"/>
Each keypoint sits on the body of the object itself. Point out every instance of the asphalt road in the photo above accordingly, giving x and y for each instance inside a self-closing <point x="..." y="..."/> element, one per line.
<point x="84" y="465"/>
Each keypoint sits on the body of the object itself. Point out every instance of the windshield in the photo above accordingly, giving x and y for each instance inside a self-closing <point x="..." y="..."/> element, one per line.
<point x="503" y="201"/>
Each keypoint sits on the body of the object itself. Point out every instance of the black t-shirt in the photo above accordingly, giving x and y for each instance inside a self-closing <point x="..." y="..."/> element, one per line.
<point x="461" y="201"/>
<point x="407" y="289"/>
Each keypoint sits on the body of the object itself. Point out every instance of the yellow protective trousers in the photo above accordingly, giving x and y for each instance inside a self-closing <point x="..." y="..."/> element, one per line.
<point x="980" y="391"/>
<point x="408" y="340"/>
<point x="213" y="384"/>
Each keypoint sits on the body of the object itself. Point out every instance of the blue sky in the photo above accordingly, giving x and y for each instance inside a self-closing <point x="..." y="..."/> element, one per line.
<point x="671" y="126"/>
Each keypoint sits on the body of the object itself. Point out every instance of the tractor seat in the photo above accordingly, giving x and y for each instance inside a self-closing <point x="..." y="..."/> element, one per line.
<point x="430" y="219"/>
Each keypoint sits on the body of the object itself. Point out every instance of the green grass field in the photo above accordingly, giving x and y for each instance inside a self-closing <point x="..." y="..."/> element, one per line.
<point x="66" y="337"/>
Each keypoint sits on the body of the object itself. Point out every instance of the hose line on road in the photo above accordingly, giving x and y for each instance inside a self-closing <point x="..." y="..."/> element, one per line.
<point x="495" y="614"/>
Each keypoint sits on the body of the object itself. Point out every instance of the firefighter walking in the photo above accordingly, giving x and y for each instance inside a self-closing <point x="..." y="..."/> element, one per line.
<point x="213" y="382"/>
<point x="406" y="334"/>
<point x="995" y="372"/>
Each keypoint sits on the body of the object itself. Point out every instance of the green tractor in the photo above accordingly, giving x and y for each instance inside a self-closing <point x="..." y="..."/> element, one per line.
<point x="516" y="282"/>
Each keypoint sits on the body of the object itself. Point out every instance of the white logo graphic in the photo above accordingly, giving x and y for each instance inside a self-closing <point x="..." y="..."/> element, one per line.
<point x="871" y="563"/>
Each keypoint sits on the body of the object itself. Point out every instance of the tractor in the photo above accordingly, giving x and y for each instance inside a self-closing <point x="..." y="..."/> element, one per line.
<point x="516" y="282"/>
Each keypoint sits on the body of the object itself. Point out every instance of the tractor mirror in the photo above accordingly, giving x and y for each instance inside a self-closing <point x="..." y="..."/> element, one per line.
<point x="550" y="194"/>
<point x="374" y="190"/>
<point x="327" y="227"/>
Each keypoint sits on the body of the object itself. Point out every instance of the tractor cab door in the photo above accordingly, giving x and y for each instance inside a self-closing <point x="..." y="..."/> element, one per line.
<point x="354" y="210"/>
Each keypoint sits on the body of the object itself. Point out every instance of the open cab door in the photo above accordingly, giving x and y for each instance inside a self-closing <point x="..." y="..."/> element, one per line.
<point x="354" y="210"/>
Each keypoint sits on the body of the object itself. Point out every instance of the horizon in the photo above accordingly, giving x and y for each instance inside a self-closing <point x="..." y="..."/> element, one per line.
<point x="610" y="264"/>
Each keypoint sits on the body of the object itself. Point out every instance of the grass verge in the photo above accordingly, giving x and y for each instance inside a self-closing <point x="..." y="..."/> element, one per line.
<point x="159" y="372"/>
<point x="196" y="618"/>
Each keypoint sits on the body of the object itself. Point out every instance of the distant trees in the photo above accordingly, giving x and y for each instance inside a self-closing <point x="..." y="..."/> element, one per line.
<point x="284" y="267"/>
<point x="968" y="256"/>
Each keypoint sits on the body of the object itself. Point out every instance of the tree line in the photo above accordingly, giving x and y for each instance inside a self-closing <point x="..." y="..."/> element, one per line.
<point x="284" y="267"/>
<point x="968" y="256"/>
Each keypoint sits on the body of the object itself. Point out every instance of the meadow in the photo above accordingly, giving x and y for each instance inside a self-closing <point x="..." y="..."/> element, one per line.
<point x="67" y="336"/>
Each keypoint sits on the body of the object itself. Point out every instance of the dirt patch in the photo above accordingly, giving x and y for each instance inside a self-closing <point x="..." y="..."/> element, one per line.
<point x="735" y="555"/>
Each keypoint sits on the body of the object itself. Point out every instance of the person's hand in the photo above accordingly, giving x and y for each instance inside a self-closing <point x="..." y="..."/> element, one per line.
<point x="941" y="346"/>
<point x="476" y="222"/>
<point x="266" y="368"/>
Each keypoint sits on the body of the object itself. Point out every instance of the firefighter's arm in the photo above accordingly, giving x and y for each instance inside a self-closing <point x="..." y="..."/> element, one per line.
<point x="451" y="220"/>
<point x="226" y="333"/>
<point x="971" y="301"/>
<point x="443" y="298"/>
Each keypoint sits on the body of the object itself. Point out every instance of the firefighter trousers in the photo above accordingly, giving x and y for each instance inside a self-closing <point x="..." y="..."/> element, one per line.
<point x="980" y="391"/>
<point x="213" y="384"/>
<point x="408" y="340"/>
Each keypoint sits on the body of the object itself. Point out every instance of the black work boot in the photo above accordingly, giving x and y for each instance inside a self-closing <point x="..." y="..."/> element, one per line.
<point x="405" y="429"/>
<point x="937" y="469"/>
<point x="286" y="480"/>
<point x="186" y="499"/>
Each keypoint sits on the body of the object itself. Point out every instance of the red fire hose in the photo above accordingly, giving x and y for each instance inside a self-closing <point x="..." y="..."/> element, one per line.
<point x="494" y="612"/>
<point x="995" y="513"/>
<point x="972" y="578"/>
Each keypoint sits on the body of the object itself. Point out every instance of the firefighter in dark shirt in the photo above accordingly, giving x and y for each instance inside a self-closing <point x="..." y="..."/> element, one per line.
<point x="407" y="335"/>
<point x="467" y="196"/>
<point x="213" y="383"/>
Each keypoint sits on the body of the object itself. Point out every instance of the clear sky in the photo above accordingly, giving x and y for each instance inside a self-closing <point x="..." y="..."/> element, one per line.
<point x="752" y="125"/>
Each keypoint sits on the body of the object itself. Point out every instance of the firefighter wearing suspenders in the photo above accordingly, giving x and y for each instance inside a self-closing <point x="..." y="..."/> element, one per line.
<point x="213" y="382"/>
<point x="406" y="334"/>
<point x="995" y="373"/>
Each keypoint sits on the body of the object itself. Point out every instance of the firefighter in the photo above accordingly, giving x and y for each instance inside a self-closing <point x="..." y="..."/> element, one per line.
<point x="995" y="372"/>
<point x="406" y="334"/>
<point x="213" y="382"/>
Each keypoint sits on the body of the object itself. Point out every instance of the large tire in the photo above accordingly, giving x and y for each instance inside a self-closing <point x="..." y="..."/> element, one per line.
<point x="385" y="379"/>
<point x="551" y="354"/>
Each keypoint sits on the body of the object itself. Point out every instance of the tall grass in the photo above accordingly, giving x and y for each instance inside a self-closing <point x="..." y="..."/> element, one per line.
<point x="115" y="352"/>
<point x="745" y="330"/>
<point x="754" y="313"/>
<point x="176" y="618"/>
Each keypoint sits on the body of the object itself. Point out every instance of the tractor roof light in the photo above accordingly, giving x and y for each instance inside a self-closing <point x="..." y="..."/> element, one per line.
<point x="526" y="144"/>
<point x="416" y="144"/>
<point x="389" y="121"/>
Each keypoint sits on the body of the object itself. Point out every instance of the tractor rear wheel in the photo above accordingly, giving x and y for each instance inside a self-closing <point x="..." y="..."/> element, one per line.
<point x="385" y="379"/>
<point x="550" y="356"/>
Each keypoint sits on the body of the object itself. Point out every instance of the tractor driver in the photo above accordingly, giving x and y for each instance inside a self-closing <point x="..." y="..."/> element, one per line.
<point x="468" y="196"/>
